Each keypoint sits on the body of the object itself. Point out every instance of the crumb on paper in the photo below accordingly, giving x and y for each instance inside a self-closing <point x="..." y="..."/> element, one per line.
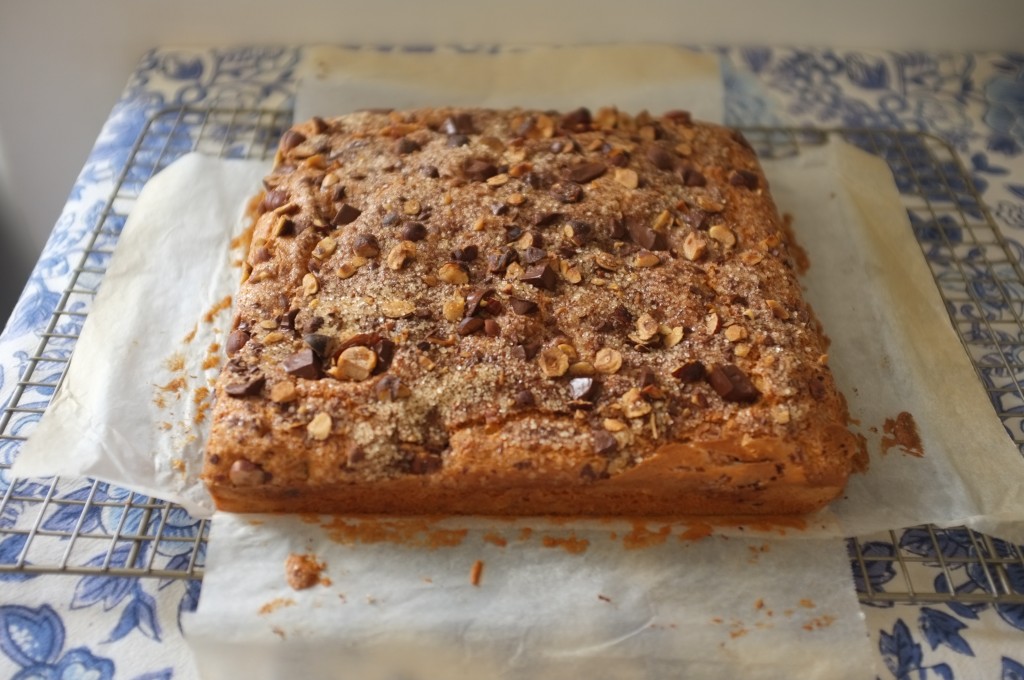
<point x="807" y="604"/>
<point x="279" y="632"/>
<point x="178" y="465"/>
<point x="819" y="622"/>
<point x="422" y="533"/>
<point x="476" y="572"/>
<point x="800" y="259"/>
<point x="221" y="305"/>
<point x="571" y="544"/>
<point x="642" y="537"/>
<point x="696" y="531"/>
<point x="901" y="432"/>
<point x="525" y="533"/>
<point x="604" y="598"/>
<point x="303" y="571"/>
<point x="495" y="539"/>
<point x="175" y="362"/>
<point x="275" y="604"/>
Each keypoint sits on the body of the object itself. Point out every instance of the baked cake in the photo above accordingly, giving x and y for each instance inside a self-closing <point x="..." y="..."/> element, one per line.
<point x="523" y="313"/>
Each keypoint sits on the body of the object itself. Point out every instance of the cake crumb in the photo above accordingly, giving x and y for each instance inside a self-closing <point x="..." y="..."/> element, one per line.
<point x="901" y="432"/>
<point x="275" y="604"/>
<point x="303" y="571"/>
<point x="476" y="572"/>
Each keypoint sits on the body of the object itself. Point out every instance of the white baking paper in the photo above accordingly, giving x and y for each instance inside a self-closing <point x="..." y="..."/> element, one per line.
<point x="632" y="77"/>
<point x="582" y="600"/>
<point x="132" y="409"/>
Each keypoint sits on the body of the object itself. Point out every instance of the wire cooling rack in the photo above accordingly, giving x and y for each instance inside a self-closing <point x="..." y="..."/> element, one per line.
<point x="79" y="526"/>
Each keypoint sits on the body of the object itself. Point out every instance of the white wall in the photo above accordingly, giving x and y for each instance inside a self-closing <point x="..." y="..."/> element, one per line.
<point x="63" y="63"/>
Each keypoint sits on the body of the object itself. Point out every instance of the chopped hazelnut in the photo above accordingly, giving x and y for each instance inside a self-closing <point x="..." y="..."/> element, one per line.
<point x="646" y="327"/>
<point x="711" y="323"/>
<point x="553" y="362"/>
<point x="694" y="247"/>
<point x="366" y="245"/>
<point x="627" y="178"/>
<point x="634" y="405"/>
<point x="454" y="308"/>
<point x="735" y="333"/>
<point x="607" y="261"/>
<point x="325" y="248"/>
<point x="453" y="272"/>
<point x="283" y="392"/>
<point x="723" y="235"/>
<point x="244" y="472"/>
<point x="356" y="363"/>
<point x="320" y="427"/>
<point x="401" y="254"/>
<point x="673" y="337"/>
<point x="645" y="259"/>
<point x="310" y="284"/>
<point x="608" y="360"/>
<point x="397" y="309"/>
<point x="581" y="368"/>
<point x="662" y="221"/>
<point x="613" y="425"/>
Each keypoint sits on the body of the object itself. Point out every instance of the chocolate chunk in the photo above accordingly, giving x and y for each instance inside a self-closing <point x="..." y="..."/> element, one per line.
<point x="346" y="214"/>
<point x="469" y="325"/>
<point x="587" y="473"/>
<point x="406" y="145"/>
<point x="424" y="463"/>
<point x="479" y="301"/>
<point x="385" y="351"/>
<point x="741" y="140"/>
<point x="648" y="377"/>
<point x="337" y="193"/>
<point x="619" y="158"/>
<point x="533" y="255"/>
<point x="524" y="398"/>
<point x="583" y="388"/>
<point x="816" y="386"/>
<point x="567" y="192"/>
<point x="390" y="388"/>
<point x="430" y="171"/>
<point x="460" y="123"/>
<point x="547" y="219"/>
<point x="661" y="157"/>
<point x="236" y="341"/>
<point x="479" y="169"/>
<point x="414" y="231"/>
<point x="692" y="177"/>
<point x="498" y="263"/>
<point x="541" y="276"/>
<point x="690" y="372"/>
<point x="359" y="340"/>
<point x="586" y="172"/>
<point x="491" y="328"/>
<point x="513" y="232"/>
<point x="287" y="320"/>
<point x="457" y="140"/>
<point x="618" y="230"/>
<point x="272" y="200"/>
<point x="743" y="178"/>
<point x="581" y="232"/>
<point x="523" y="307"/>
<point x="527" y="350"/>
<point x="499" y="209"/>
<point x="246" y="388"/>
<point x="291" y="139"/>
<point x="535" y="180"/>
<point x="466" y="253"/>
<point x="319" y="343"/>
<point x="312" y="325"/>
<point x="366" y="245"/>
<point x="303" y="364"/>
<point x="643" y="235"/>
<point x="732" y="384"/>
<point x="605" y="444"/>
<point x="391" y="219"/>
<point x="578" y="120"/>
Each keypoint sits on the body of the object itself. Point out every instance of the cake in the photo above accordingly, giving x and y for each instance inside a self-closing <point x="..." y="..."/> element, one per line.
<point x="516" y="312"/>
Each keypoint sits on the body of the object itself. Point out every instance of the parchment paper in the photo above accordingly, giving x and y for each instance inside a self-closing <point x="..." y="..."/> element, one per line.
<point x="647" y="602"/>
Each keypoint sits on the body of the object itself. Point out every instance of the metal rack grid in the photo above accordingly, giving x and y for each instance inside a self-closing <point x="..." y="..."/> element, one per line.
<point x="88" y="527"/>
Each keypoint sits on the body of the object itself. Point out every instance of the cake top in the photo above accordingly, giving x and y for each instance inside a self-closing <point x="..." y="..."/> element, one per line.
<point x="447" y="267"/>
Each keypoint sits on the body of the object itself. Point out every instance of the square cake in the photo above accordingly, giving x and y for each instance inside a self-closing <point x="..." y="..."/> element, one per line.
<point x="516" y="312"/>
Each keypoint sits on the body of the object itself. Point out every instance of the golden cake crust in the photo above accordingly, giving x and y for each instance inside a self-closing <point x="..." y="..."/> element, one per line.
<point x="523" y="312"/>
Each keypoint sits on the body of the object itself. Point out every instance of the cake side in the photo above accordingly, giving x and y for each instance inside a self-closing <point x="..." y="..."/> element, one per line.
<point x="520" y="312"/>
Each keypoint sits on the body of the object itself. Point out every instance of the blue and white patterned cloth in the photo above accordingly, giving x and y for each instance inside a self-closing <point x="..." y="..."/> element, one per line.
<point x="102" y="627"/>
